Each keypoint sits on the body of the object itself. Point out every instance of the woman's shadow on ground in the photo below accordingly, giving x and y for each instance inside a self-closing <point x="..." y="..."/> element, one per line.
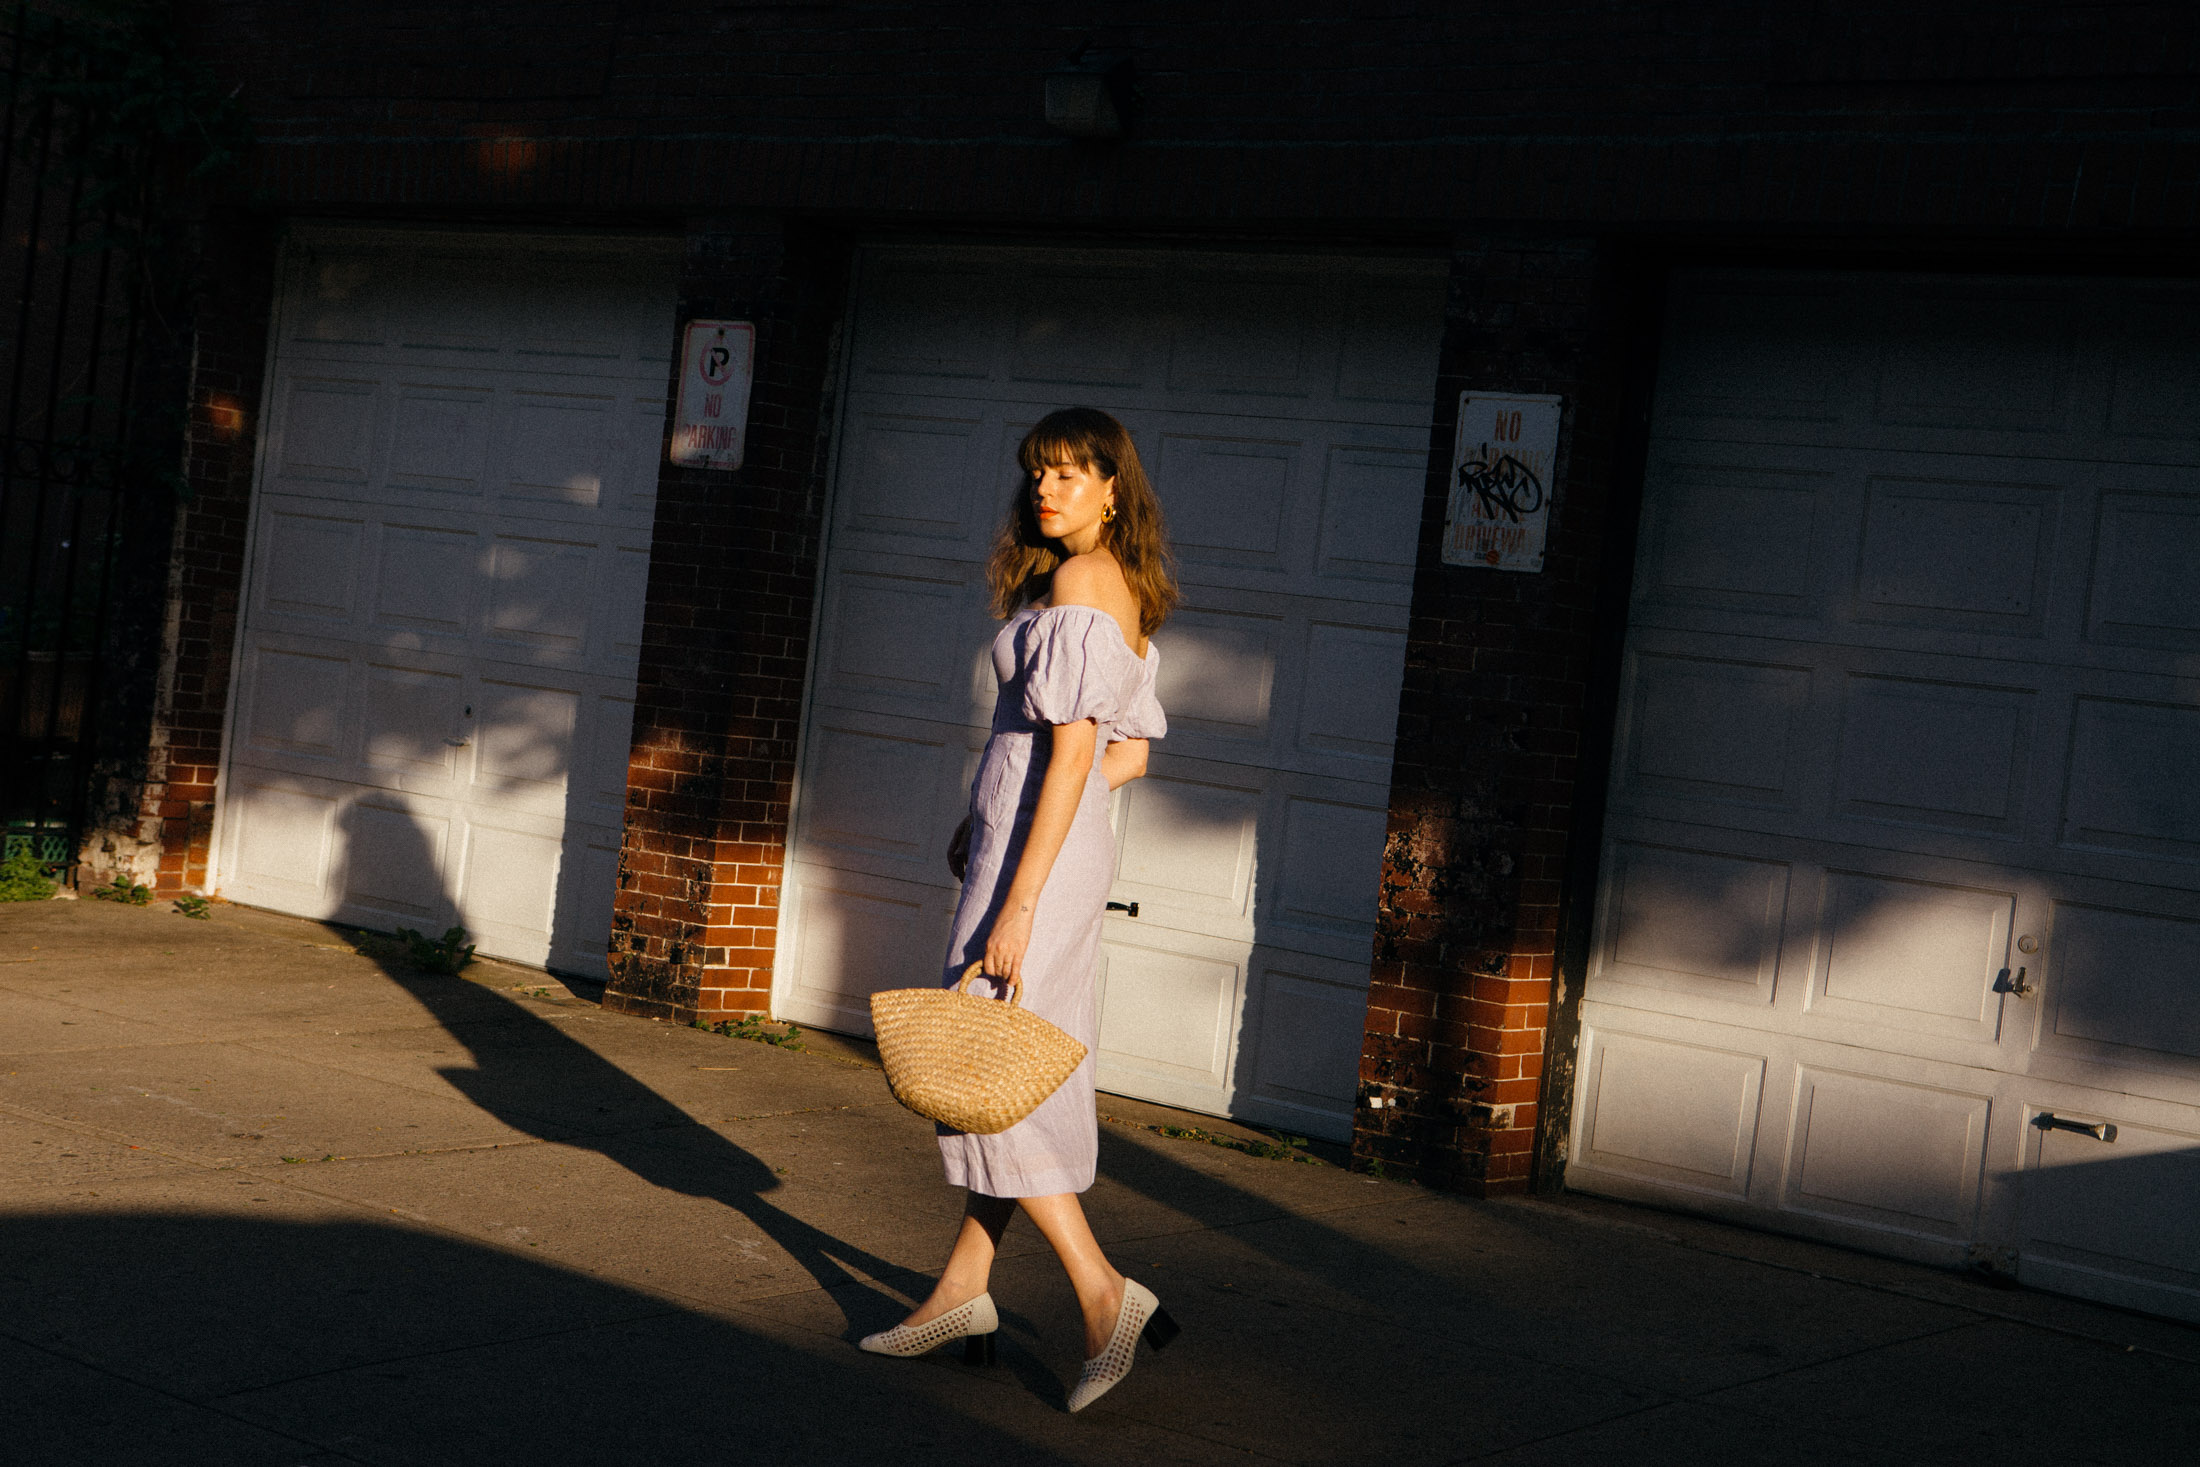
<point x="534" y="1077"/>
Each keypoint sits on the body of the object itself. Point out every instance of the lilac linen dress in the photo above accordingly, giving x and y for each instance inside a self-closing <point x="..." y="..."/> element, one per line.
<point x="1056" y="665"/>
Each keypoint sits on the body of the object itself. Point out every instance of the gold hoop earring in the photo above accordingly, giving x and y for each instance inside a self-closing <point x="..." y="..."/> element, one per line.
<point x="1107" y="513"/>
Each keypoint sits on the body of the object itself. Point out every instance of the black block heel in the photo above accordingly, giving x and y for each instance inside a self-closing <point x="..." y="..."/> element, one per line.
<point x="978" y="1349"/>
<point x="1161" y="1329"/>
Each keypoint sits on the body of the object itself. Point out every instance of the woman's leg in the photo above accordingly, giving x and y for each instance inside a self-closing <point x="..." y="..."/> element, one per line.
<point x="970" y="1264"/>
<point x="1099" y="1287"/>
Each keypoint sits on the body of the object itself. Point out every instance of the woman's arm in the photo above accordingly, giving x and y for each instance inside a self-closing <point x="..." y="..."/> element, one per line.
<point x="1059" y="793"/>
<point x="1123" y="761"/>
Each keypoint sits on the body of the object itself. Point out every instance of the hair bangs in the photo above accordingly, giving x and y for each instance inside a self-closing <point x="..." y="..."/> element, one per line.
<point x="1065" y="438"/>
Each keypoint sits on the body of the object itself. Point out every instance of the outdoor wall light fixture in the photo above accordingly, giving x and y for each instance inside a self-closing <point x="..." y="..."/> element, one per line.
<point x="1089" y="96"/>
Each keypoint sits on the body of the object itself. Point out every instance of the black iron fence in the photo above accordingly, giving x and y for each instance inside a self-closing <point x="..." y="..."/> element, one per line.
<point x="72" y="201"/>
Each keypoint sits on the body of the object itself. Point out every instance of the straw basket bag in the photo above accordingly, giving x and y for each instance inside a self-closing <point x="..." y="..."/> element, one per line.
<point x="976" y="1064"/>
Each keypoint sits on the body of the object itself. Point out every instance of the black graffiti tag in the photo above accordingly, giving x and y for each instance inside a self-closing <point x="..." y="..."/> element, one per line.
<point x="1506" y="489"/>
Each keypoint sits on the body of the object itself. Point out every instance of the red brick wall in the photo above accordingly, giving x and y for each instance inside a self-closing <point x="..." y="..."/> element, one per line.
<point x="725" y="644"/>
<point x="229" y="353"/>
<point x="1489" y="737"/>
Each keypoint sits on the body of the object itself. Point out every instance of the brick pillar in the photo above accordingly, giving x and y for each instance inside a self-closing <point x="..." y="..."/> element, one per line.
<point x="725" y="642"/>
<point x="175" y="802"/>
<point x="1489" y="735"/>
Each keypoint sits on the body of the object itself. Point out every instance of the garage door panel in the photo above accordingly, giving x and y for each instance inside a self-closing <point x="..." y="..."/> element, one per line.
<point x="2132" y="787"/>
<point x="439" y="437"/>
<point x="854" y="934"/>
<point x="1229" y="499"/>
<point x="427" y="579"/>
<point x="1978" y="356"/>
<point x="1385" y="349"/>
<point x="1371" y="514"/>
<point x="1169" y="1016"/>
<point x="882" y="794"/>
<point x="1303" y="1024"/>
<point x="1246" y="336"/>
<point x="411" y="721"/>
<point x="1702" y="922"/>
<point x="580" y="939"/>
<point x="1935" y="753"/>
<point x="2113" y="1220"/>
<point x="313" y="562"/>
<point x="531" y="606"/>
<point x="2125" y="986"/>
<point x="1720" y="729"/>
<point x="1958" y="554"/>
<point x="1887" y="1153"/>
<point x="1218" y="673"/>
<point x="1348" y="700"/>
<point x="1087" y="328"/>
<point x="524" y="738"/>
<point x="1187" y="843"/>
<point x="1736" y="536"/>
<point x="2155" y="396"/>
<point x="394" y="863"/>
<point x="303" y="706"/>
<point x="898" y="637"/>
<point x="1682" y="1114"/>
<point x="2142" y="592"/>
<point x="326" y="432"/>
<point x="921" y="321"/>
<point x="287" y="831"/>
<point x="1760" y="349"/>
<point x="911" y="472"/>
<point x="1916" y="955"/>
<point x="558" y="447"/>
<point x="1330" y="861"/>
<point x="607" y="733"/>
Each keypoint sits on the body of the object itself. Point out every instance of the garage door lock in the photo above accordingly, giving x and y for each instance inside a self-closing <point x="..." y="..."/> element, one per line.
<point x="1128" y="909"/>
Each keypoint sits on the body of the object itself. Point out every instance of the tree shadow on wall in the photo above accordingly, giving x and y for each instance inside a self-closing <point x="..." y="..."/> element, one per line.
<point x="539" y="1080"/>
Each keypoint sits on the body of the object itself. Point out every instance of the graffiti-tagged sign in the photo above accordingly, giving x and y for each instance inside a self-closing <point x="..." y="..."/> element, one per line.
<point x="711" y="418"/>
<point x="1501" y="480"/>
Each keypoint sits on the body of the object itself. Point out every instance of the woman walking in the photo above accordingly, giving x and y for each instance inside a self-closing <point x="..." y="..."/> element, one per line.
<point x="1080" y="572"/>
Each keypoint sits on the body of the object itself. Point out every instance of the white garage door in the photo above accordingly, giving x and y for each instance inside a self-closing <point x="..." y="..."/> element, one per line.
<point x="444" y="603"/>
<point x="1900" y="906"/>
<point x="1283" y="411"/>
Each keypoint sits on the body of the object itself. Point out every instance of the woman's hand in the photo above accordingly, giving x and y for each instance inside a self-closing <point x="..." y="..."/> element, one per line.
<point x="1123" y="761"/>
<point x="1007" y="943"/>
<point x="958" y="849"/>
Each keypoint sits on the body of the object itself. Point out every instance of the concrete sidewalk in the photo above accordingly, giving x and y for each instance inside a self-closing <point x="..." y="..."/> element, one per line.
<point x="264" y="1199"/>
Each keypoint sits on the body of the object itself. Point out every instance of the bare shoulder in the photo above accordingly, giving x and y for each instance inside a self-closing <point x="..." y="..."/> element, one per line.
<point x="1088" y="580"/>
<point x="1095" y="580"/>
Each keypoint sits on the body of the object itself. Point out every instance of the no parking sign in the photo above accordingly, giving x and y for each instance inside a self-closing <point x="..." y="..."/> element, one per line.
<point x="710" y="421"/>
<point x="1502" y="468"/>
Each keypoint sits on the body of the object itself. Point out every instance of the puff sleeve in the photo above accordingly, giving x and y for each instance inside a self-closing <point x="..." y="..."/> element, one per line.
<point x="1074" y="666"/>
<point x="1141" y="717"/>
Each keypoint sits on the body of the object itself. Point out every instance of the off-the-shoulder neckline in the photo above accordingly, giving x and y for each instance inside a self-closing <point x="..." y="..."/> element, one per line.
<point x="1038" y="611"/>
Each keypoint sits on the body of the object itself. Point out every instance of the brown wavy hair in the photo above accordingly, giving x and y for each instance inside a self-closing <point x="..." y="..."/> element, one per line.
<point x="1022" y="567"/>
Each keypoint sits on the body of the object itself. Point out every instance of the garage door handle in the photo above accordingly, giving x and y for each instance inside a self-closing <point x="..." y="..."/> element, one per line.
<point x="2020" y="988"/>
<point x="2047" y="1120"/>
<point x="1128" y="909"/>
<point x="458" y="743"/>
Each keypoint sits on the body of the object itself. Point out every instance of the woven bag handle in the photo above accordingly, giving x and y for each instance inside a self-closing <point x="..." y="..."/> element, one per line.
<point x="1015" y="985"/>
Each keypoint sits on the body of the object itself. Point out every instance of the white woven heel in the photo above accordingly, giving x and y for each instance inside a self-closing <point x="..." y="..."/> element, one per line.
<point x="1141" y="1314"/>
<point x="976" y="1319"/>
